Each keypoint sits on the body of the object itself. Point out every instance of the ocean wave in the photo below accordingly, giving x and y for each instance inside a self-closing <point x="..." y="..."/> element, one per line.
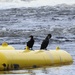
<point x="40" y="21"/>
<point x="56" y="32"/>
<point x="31" y="3"/>
<point x="16" y="36"/>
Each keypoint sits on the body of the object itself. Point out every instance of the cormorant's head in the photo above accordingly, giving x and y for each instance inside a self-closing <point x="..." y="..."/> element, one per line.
<point x="31" y="36"/>
<point x="49" y="36"/>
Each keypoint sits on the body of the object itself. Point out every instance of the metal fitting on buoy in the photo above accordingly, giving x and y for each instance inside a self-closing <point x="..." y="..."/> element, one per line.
<point x="4" y="44"/>
<point x="27" y="49"/>
<point x="57" y="48"/>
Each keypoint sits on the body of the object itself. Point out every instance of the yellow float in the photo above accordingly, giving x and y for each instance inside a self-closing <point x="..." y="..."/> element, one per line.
<point x="19" y="59"/>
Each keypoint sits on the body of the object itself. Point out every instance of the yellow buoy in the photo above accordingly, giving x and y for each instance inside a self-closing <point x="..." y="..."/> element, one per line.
<point x="20" y="59"/>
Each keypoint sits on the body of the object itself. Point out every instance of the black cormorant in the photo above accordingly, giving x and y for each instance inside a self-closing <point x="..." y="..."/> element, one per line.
<point x="30" y="43"/>
<point x="45" y="42"/>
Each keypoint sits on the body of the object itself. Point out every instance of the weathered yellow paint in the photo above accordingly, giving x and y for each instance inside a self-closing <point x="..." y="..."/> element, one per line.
<point x="19" y="59"/>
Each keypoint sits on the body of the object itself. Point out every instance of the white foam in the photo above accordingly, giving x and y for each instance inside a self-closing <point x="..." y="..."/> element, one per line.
<point x="32" y="3"/>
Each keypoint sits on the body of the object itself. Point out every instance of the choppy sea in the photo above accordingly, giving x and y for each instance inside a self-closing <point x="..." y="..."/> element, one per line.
<point x="17" y="24"/>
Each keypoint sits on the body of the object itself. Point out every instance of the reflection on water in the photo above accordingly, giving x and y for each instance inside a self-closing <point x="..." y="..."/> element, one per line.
<point x="44" y="70"/>
<point x="62" y="70"/>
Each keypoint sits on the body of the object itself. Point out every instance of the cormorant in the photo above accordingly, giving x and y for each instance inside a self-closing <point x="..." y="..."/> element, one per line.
<point x="30" y="43"/>
<point x="45" y="42"/>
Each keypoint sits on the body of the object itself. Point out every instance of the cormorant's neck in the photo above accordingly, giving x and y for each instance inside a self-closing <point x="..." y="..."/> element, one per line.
<point x="47" y="38"/>
<point x="32" y="38"/>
